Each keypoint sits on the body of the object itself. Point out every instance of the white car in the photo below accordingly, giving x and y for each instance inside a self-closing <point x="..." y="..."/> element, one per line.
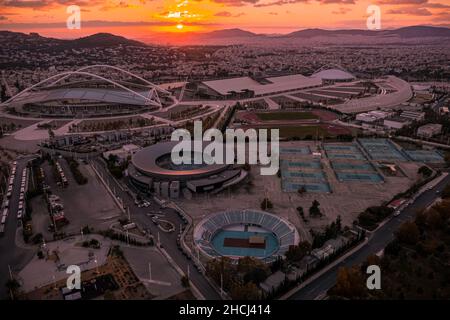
<point x="19" y="214"/>
<point x="397" y="213"/>
<point x="20" y="205"/>
<point x="21" y="197"/>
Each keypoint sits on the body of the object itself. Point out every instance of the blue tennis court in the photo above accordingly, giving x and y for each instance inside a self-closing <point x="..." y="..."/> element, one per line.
<point x="299" y="174"/>
<point x="333" y="147"/>
<point x="295" y="150"/>
<point x="338" y="166"/>
<point x="303" y="164"/>
<point x="218" y="244"/>
<point x="381" y="149"/>
<point x="353" y="156"/>
<point x="364" y="177"/>
<point x="428" y="156"/>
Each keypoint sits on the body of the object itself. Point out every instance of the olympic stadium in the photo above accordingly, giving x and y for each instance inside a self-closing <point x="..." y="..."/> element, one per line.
<point x="86" y="93"/>
<point x="152" y="169"/>
<point x="240" y="233"/>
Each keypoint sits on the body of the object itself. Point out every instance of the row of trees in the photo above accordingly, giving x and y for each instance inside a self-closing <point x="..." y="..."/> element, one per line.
<point x="77" y="174"/>
<point x="241" y="280"/>
<point x="414" y="264"/>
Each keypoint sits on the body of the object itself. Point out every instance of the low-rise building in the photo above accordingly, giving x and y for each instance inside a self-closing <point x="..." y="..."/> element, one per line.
<point x="396" y="122"/>
<point x="122" y="154"/>
<point x="429" y="130"/>
<point x="413" y="115"/>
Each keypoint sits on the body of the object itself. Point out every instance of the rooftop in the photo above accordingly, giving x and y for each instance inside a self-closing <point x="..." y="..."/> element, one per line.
<point x="277" y="84"/>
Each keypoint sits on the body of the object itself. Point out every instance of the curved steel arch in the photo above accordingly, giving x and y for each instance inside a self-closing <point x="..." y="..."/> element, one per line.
<point x="70" y="73"/>
<point x="118" y="69"/>
<point x="328" y="65"/>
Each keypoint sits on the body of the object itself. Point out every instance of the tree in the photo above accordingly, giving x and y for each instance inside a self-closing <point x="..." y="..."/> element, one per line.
<point x="298" y="252"/>
<point x="350" y="284"/>
<point x="221" y="269"/>
<point x="266" y="204"/>
<point x="408" y="233"/>
<point x="446" y="192"/>
<point x="252" y="269"/>
<point x="301" y="212"/>
<point x="314" y="210"/>
<point x="247" y="291"/>
<point x="51" y="134"/>
<point x="185" y="282"/>
<point x="301" y="191"/>
<point x="425" y="171"/>
<point x="13" y="286"/>
<point x="447" y="158"/>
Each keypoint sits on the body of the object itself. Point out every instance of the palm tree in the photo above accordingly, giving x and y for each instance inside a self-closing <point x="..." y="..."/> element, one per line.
<point x="13" y="286"/>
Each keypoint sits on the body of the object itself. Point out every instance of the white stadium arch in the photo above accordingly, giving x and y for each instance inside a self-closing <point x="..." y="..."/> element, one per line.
<point x="151" y="99"/>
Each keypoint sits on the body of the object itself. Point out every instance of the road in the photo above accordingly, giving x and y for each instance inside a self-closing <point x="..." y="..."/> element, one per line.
<point x="168" y="240"/>
<point x="377" y="242"/>
<point x="10" y="254"/>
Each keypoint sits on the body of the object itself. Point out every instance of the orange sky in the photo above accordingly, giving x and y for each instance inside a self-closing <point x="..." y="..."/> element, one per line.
<point x="137" y="18"/>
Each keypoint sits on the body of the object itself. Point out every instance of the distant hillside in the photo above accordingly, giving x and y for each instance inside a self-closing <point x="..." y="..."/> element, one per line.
<point x="104" y="40"/>
<point x="35" y="41"/>
<point x="406" y="35"/>
<point x="229" y="33"/>
<point x="406" y="32"/>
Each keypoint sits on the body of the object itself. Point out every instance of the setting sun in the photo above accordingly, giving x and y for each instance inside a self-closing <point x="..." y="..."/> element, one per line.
<point x="180" y="26"/>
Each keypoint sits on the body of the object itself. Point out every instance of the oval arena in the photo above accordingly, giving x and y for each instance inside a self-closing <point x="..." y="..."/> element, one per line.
<point x="240" y="233"/>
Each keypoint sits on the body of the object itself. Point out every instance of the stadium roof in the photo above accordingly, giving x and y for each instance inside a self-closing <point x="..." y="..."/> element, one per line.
<point x="88" y="94"/>
<point x="277" y="84"/>
<point x="145" y="160"/>
<point x="333" y="74"/>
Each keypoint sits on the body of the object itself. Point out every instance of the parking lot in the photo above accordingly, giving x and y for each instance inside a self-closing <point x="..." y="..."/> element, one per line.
<point x="84" y="205"/>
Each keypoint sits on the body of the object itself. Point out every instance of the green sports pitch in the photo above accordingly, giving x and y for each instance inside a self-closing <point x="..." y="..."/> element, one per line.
<point x="271" y="116"/>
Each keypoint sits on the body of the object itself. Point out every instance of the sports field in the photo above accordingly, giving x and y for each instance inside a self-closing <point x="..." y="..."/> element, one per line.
<point x="271" y="116"/>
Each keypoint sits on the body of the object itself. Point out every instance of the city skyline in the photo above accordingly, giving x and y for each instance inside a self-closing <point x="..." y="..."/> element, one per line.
<point x="139" y="19"/>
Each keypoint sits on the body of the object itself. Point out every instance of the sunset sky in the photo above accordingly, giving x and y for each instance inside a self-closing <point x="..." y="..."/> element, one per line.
<point x="136" y="18"/>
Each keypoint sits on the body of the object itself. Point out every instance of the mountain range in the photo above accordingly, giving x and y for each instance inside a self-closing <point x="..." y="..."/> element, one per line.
<point x="407" y="35"/>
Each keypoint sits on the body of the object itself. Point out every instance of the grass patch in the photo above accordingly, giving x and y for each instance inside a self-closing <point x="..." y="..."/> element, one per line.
<point x="269" y="116"/>
<point x="302" y="132"/>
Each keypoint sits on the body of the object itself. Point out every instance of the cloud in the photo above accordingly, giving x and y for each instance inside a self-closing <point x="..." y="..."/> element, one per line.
<point x="279" y="3"/>
<point x="337" y="1"/>
<point x="436" y="6"/>
<point x="402" y="1"/>
<point x="228" y="14"/>
<point x="411" y="11"/>
<point x="90" y="23"/>
<point x="287" y="2"/>
<point x="97" y="23"/>
<point x="39" y="4"/>
<point x="24" y="3"/>
<point x="236" y="3"/>
<point x="223" y="14"/>
<point x="341" y="11"/>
